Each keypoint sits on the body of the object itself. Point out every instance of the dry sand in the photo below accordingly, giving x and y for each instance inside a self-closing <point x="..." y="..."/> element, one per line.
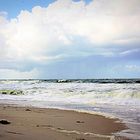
<point x="54" y="124"/>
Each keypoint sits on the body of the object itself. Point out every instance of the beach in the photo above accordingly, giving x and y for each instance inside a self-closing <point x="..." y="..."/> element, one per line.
<point x="73" y="109"/>
<point x="26" y="123"/>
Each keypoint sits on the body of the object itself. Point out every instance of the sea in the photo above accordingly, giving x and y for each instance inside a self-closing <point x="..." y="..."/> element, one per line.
<point x="116" y="98"/>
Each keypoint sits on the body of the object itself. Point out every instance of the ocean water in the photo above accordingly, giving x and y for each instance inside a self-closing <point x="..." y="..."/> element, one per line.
<point x="113" y="97"/>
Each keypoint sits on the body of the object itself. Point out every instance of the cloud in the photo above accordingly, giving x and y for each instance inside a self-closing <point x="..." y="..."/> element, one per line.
<point x="133" y="68"/>
<point x="15" y="74"/>
<point x="3" y="14"/>
<point x="67" y="29"/>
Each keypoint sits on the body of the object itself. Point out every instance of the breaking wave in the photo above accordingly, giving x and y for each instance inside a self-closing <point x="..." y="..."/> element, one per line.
<point x="73" y="92"/>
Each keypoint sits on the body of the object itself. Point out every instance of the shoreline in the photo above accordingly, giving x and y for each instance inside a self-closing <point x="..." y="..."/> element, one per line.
<point x="55" y="124"/>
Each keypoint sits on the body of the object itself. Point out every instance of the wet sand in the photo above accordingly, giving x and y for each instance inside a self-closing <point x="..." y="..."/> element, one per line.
<point x="53" y="124"/>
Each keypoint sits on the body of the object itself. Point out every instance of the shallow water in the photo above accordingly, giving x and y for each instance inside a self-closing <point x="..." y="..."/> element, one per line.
<point x="119" y="98"/>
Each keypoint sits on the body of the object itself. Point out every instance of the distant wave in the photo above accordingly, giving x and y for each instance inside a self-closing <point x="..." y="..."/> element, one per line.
<point x="102" y="81"/>
<point x="120" y="81"/>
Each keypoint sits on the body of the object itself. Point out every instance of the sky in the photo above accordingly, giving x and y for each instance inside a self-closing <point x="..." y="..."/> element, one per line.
<point x="62" y="39"/>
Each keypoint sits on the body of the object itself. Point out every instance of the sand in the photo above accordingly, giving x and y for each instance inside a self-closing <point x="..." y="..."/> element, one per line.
<point x="53" y="124"/>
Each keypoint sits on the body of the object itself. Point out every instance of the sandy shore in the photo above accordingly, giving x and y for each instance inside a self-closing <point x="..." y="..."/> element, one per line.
<point x="53" y="124"/>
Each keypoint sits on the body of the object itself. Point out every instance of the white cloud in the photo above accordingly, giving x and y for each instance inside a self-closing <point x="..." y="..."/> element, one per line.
<point x="3" y="14"/>
<point x="127" y="52"/>
<point x="15" y="74"/>
<point x="50" y="33"/>
<point x="133" y="68"/>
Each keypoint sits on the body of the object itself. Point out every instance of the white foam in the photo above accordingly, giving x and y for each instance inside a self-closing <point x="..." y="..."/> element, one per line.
<point x="86" y="93"/>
